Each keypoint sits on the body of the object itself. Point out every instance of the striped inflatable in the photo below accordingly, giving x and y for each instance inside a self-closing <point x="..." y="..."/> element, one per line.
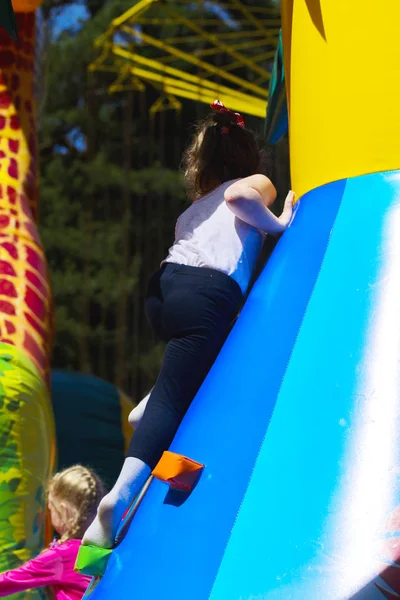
<point x="27" y="446"/>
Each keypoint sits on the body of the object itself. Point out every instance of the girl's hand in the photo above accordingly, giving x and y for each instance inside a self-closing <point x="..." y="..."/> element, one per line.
<point x="287" y="212"/>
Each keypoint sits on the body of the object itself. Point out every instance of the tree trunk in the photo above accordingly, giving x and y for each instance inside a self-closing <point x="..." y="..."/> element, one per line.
<point x="87" y="212"/>
<point x="122" y="313"/>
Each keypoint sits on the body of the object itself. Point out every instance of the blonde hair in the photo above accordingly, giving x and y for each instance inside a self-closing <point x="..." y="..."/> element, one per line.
<point x="82" y="489"/>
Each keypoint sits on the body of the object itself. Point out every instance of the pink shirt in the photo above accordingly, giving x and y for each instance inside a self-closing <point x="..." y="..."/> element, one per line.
<point x="53" y="567"/>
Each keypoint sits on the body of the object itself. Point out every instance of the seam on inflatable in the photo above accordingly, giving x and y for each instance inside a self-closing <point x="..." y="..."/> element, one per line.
<point x="280" y="385"/>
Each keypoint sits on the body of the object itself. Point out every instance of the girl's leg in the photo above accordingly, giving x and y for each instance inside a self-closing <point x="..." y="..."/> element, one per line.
<point x="198" y="307"/>
<point x="136" y="414"/>
<point x="186" y="363"/>
<point x="134" y="472"/>
<point x="154" y="306"/>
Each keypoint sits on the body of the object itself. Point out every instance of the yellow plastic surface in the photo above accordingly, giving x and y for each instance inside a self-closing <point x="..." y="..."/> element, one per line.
<point x="344" y="80"/>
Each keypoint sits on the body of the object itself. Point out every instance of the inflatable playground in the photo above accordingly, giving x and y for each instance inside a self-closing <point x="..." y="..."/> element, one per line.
<point x="296" y="427"/>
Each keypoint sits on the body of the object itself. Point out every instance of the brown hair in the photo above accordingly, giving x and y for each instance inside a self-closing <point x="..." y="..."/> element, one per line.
<point x="83" y="490"/>
<point x="220" y="150"/>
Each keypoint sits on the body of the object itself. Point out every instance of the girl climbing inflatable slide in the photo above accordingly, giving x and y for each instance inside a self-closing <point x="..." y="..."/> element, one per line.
<point x="297" y="423"/>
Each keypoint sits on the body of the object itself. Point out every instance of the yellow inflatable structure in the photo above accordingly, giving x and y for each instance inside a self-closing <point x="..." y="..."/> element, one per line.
<point x="341" y="61"/>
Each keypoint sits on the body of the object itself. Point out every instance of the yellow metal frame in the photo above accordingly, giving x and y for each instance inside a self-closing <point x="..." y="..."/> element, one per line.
<point x="227" y="62"/>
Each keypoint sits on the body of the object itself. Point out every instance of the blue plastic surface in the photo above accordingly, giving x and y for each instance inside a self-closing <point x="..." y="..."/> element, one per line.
<point x="296" y="424"/>
<point x="320" y="490"/>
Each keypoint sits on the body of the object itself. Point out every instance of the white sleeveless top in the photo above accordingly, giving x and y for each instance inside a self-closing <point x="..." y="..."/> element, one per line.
<point x="208" y="234"/>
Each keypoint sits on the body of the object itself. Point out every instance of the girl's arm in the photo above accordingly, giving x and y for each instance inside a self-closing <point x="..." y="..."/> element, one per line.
<point x="249" y="199"/>
<point x="45" y="569"/>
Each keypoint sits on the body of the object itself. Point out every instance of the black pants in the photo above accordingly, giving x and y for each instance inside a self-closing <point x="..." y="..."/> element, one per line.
<point x="192" y="309"/>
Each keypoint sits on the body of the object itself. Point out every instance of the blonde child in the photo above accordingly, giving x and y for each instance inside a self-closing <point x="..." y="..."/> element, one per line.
<point x="73" y="497"/>
<point x="196" y="295"/>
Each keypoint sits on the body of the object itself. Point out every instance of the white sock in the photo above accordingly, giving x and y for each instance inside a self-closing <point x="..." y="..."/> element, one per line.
<point x="112" y="508"/>
<point x="137" y="413"/>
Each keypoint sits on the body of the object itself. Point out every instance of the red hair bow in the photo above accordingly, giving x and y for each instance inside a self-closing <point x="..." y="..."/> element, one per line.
<point x="236" y="117"/>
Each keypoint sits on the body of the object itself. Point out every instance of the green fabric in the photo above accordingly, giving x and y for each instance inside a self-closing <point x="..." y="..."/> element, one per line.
<point x="7" y="18"/>
<point x="92" y="560"/>
<point x="276" y="124"/>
